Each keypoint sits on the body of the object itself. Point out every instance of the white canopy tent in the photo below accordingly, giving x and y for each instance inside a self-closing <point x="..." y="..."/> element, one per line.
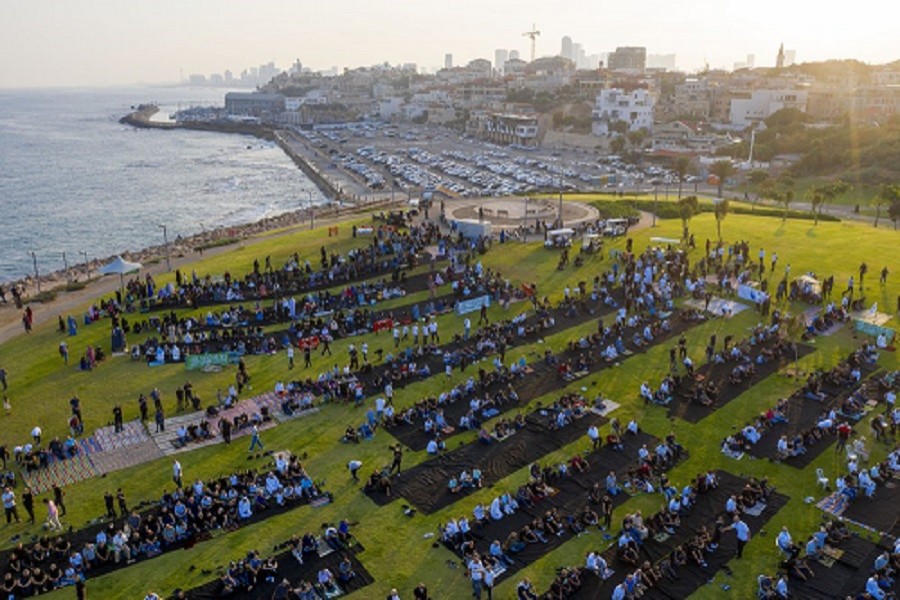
<point x="121" y="267"/>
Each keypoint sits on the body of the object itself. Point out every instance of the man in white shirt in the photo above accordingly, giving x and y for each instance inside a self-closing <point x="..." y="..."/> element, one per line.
<point x="594" y="435"/>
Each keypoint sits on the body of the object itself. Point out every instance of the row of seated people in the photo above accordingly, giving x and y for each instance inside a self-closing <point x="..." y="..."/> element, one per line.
<point x="185" y="515"/>
<point x="203" y="430"/>
<point x="30" y="457"/>
<point x="865" y="481"/>
<point x="636" y="530"/>
<point x="292" y="277"/>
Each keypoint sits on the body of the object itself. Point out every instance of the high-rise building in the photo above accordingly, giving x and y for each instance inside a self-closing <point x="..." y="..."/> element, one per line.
<point x="790" y="57"/>
<point x="514" y="55"/>
<point x="448" y="61"/>
<point x="566" y="51"/>
<point x="628" y="58"/>
<point x="501" y="55"/>
<point x="779" y="60"/>
<point x="661" y="61"/>
<point x="751" y="61"/>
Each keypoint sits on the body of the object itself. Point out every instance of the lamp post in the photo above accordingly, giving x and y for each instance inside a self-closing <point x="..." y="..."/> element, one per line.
<point x="37" y="276"/>
<point x="655" y="199"/>
<point x="312" y="211"/>
<point x="87" y="269"/>
<point x="66" y="267"/>
<point x="559" y="179"/>
<point x="166" y="245"/>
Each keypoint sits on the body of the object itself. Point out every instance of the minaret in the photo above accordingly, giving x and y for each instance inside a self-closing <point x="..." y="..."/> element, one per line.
<point x="779" y="61"/>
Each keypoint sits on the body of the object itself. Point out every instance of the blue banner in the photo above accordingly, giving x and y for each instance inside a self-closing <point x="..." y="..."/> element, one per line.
<point x="467" y="306"/>
<point x="874" y="330"/>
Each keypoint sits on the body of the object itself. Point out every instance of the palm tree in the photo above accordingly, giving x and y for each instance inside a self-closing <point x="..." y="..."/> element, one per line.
<point x="688" y="207"/>
<point x="894" y="212"/>
<point x="817" y="200"/>
<point x="786" y="200"/>
<point x="830" y="191"/>
<point x="722" y="169"/>
<point x="721" y="210"/>
<point x="681" y="167"/>
<point x="888" y="194"/>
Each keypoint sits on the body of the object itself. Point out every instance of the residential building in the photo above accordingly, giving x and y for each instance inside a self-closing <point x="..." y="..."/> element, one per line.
<point x="504" y="128"/>
<point x="448" y="61"/>
<point x="566" y="51"/>
<point x="750" y="108"/>
<point x="253" y="103"/>
<point x="634" y="107"/>
<point x="692" y="99"/>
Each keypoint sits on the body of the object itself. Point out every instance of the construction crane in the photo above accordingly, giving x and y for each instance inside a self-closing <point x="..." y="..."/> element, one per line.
<point x="533" y="34"/>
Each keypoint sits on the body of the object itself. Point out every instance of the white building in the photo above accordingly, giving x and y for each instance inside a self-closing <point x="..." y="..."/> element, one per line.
<point x="749" y="108"/>
<point x="635" y="108"/>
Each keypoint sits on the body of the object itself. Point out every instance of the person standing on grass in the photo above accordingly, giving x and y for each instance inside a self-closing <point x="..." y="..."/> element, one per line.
<point x="290" y="357"/>
<point x="52" y="514"/>
<point x="9" y="505"/>
<point x="108" y="500"/>
<point x="742" y="531"/>
<point x="3" y="379"/>
<point x="177" y="472"/>
<point x="58" y="499"/>
<point x="28" y="503"/>
<point x="354" y="466"/>
<point x="254" y="440"/>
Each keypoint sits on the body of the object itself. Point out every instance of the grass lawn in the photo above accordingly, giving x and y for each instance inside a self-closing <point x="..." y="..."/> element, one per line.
<point x="397" y="552"/>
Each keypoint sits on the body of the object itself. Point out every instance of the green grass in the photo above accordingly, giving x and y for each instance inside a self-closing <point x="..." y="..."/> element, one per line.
<point x="396" y="552"/>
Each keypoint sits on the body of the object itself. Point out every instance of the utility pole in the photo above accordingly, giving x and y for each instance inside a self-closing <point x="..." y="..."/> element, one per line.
<point x="37" y="276"/>
<point x="312" y="211"/>
<point x="66" y="267"/>
<point x="87" y="269"/>
<point x="166" y="245"/>
<point x="655" y="199"/>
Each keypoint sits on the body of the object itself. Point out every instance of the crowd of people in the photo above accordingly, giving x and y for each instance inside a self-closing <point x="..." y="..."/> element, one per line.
<point x="188" y="514"/>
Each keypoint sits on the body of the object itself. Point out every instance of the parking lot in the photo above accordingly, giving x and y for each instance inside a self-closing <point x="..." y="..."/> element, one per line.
<point x="379" y="159"/>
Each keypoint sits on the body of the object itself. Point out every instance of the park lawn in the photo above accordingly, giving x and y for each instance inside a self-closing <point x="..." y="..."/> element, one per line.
<point x="385" y="531"/>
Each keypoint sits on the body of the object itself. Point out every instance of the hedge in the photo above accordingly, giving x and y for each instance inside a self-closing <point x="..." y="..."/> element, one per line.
<point x="670" y="210"/>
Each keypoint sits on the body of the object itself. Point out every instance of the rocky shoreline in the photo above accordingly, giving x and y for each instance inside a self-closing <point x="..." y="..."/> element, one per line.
<point x="60" y="280"/>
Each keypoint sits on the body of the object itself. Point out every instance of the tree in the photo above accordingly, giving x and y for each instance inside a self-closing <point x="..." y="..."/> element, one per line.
<point x="681" y="167"/>
<point x="894" y="212"/>
<point x="757" y="178"/>
<point x="830" y="191"/>
<point x="722" y="169"/>
<point x="617" y="145"/>
<point x="786" y="199"/>
<point x="721" y="210"/>
<point x="687" y="208"/>
<point x="817" y="201"/>
<point x="888" y="194"/>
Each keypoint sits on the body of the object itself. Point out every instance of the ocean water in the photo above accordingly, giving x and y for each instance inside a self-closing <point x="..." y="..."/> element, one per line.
<point x="72" y="179"/>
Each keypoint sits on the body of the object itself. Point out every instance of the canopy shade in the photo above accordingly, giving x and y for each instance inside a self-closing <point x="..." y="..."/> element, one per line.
<point x="119" y="266"/>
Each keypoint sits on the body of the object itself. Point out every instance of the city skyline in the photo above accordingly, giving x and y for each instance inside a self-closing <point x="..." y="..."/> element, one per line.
<point x="97" y="42"/>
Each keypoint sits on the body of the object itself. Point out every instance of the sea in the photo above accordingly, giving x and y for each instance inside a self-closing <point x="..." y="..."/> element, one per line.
<point x="74" y="180"/>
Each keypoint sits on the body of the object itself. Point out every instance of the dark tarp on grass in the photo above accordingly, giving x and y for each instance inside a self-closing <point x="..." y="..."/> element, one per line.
<point x="543" y="380"/>
<point x="707" y="508"/>
<point x="846" y="576"/>
<point x="718" y="373"/>
<point x="293" y="571"/>
<point x="879" y="512"/>
<point x="802" y="414"/>
<point x="425" y="485"/>
<point x="570" y="499"/>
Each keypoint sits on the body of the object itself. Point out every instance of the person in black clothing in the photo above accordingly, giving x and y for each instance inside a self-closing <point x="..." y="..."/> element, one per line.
<point x="398" y="457"/>
<point x="123" y="505"/>
<point x="421" y="592"/>
<point x="225" y="428"/>
<point x="28" y="503"/>
<point x="58" y="498"/>
<point x="110" y="506"/>
<point x="142" y="404"/>
<point x="4" y="455"/>
<point x="117" y="418"/>
<point x="606" y="511"/>
<point x="307" y="357"/>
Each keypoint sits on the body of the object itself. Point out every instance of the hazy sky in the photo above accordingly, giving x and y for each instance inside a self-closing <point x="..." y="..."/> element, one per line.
<point x="110" y="42"/>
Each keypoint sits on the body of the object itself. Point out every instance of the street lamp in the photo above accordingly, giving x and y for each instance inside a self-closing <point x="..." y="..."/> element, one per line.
<point x="166" y="245"/>
<point x="312" y="211"/>
<point x="655" y="199"/>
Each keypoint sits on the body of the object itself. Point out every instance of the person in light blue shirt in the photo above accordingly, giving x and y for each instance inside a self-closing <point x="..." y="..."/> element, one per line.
<point x="873" y="587"/>
<point x="742" y="532"/>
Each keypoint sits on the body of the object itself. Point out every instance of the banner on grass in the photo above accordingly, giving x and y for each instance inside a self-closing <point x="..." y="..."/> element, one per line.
<point x="874" y="330"/>
<point x="196" y="362"/>
<point x="467" y="306"/>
